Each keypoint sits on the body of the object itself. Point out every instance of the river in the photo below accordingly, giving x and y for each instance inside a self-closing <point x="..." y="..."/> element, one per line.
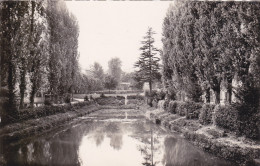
<point x="109" y="138"/>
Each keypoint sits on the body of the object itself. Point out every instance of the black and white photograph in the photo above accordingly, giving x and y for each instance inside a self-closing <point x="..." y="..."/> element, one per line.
<point x="129" y="83"/>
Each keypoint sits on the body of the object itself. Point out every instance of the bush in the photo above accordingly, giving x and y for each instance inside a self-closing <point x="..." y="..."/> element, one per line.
<point x="138" y="97"/>
<point x="206" y="114"/>
<point x="181" y="108"/>
<point x="102" y="95"/>
<point x="155" y="103"/>
<point x="166" y="104"/>
<point x="46" y="110"/>
<point x="86" y="98"/>
<point x="172" y="107"/>
<point x="67" y="98"/>
<point x="189" y="109"/>
<point x="109" y="101"/>
<point x="118" y="92"/>
<point x="121" y="97"/>
<point x="226" y="117"/>
<point x="47" y="102"/>
<point x="239" y="119"/>
<point x="193" y="110"/>
<point x="161" y="95"/>
<point x="153" y="94"/>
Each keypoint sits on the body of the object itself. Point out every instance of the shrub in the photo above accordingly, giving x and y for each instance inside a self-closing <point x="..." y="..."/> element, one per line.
<point x="189" y="109"/>
<point x="172" y="107"/>
<point x="166" y="104"/>
<point x="192" y="110"/>
<point x="160" y="104"/>
<point x="152" y="94"/>
<point x="155" y="103"/>
<point x="239" y="119"/>
<point x="86" y="98"/>
<point x="139" y="97"/>
<point x="46" y="110"/>
<point x="226" y="117"/>
<point x="102" y="95"/>
<point x="181" y="109"/>
<point x="171" y="93"/>
<point x="47" y="102"/>
<point x="161" y="95"/>
<point x="120" y="97"/>
<point x="206" y="114"/>
<point x="67" y="99"/>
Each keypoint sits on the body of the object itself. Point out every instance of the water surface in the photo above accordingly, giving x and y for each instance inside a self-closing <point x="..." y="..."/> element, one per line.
<point x="109" y="138"/>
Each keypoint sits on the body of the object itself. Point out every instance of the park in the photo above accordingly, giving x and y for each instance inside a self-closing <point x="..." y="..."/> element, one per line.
<point x="88" y="83"/>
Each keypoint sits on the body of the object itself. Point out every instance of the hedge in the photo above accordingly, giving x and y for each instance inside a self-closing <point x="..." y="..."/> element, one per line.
<point x="206" y="114"/>
<point x="239" y="119"/>
<point x="139" y="97"/>
<point x="193" y="110"/>
<point x="46" y="110"/>
<point x="189" y="109"/>
<point x="118" y="91"/>
<point x="172" y="107"/>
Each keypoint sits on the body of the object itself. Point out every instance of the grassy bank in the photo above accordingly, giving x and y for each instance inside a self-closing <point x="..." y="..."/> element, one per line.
<point x="197" y="126"/>
<point x="35" y="121"/>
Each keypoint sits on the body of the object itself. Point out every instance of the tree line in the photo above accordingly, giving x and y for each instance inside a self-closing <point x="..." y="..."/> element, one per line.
<point x="39" y="42"/>
<point x="211" y="45"/>
<point x="96" y="79"/>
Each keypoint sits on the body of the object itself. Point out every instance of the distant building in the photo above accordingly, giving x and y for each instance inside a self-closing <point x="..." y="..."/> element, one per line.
<point x="155" y="86"/>
<point x="124" y="86"/>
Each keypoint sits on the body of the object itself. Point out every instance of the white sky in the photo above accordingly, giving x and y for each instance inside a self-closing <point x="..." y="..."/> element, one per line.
<point x="115" y="29"/>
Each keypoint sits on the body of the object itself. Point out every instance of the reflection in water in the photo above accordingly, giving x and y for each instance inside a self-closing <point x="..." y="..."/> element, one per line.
<point x="150" y="149"/>
<point x="98" y="143"/>
<point x="180" y="152"/>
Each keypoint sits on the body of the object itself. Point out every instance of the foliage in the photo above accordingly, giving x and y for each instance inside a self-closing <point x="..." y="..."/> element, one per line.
<point x="206" y="114"/>
<point x="86" y="98"/>
<point x="97" y="71"/>
<point x="110" y="82"/>
<point x="31" y="113"/>
<point x="138" y="97"/>
<point x="238" y="119"/>
<point x="138" y="81"/>
<point x="63" y="60"/>
<point x="114" y="69"/>
<point x="172" y="107"/>
<point x="39" y="42"/>
<point x="102" y="95"/>
<point x="110" y="101"/>
<point x="161" y="95"/>
<point x="152" y="94"/>
<point x="67" y="98"/>
<point x="248" y="93"/>
<point x="191" y="110"/>
<point x="148" y="63"/>
<point x="47" y="102"/>
<point x="206" y="44"/>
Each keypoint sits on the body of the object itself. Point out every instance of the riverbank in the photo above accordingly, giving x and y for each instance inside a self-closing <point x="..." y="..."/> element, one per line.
<point x="210" y="138"/>
<point x="37" y="125"/>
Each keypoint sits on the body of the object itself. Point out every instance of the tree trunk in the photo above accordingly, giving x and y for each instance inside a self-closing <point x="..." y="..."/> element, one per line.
<point x="217" y="95"/>
<point x="150" y="87"/>
<point x="207" y="95"/>
<point x="229" y="91"/>
<point x="33" y="91"/>
<point x="22" y="84"/>
<point x="11" y="89"/>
